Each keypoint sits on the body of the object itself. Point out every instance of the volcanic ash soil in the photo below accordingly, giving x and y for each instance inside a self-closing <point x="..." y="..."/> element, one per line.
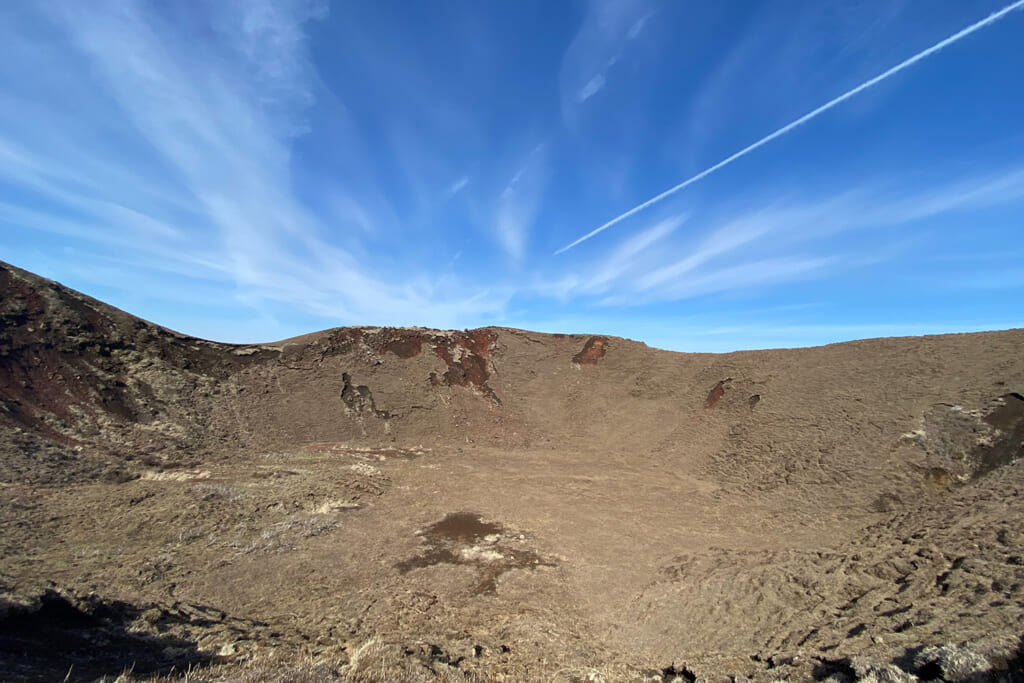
<point x="380" y="504"/>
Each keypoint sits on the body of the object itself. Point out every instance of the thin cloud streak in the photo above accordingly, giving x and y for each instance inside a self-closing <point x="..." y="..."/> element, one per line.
<point x="601" y="42"/>
<point x="592" y="87"/>
<point x="518" y="205"/>
<point x="746" y="275"/>
<point x="977" y="26"/>
<point x="623" y="258"/>
<point x="783" y="241"/>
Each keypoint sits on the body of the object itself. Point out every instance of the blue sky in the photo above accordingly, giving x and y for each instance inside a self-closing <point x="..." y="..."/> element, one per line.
<point x="249" y="171"/>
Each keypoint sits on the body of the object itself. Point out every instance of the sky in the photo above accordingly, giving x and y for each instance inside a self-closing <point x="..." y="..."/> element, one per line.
<point x="252" y="170"/>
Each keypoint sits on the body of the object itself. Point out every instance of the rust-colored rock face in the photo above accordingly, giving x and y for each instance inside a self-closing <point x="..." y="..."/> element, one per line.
<point x="716" y="394"/>
<point x="406" y="344"/>
<point x="592" y="352"/>
<point x="467" y="356"/>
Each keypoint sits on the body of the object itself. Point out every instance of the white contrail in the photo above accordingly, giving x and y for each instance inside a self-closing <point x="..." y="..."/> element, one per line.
<point x="987" y="21"/>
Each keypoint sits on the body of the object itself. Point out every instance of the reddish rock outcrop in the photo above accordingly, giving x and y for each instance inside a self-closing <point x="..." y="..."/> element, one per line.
<point x="592" y="351"/>
<point x="716" y="393"/>
<point x="467" y="356"/>
<point x="405" y="344"/>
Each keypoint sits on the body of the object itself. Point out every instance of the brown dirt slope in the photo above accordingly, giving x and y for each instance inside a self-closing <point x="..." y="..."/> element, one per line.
<point x="414" y="504"/>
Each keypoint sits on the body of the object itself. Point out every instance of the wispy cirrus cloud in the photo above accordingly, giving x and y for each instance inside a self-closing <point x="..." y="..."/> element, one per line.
<point x="518" y="203"/>
<point x="608" y="27"/>
<point x="457" y="186"/>
<point x="781" y="241"/>
<point x="212" y="187"/>
<point x="623" y="258"/>
<point x="592" y="87"/>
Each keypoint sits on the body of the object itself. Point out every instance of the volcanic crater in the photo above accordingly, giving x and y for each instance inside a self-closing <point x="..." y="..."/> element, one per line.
<point x="387" y="504"/>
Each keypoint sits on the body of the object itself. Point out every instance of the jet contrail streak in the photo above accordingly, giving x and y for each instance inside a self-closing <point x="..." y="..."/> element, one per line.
<point x="987" y="21"/>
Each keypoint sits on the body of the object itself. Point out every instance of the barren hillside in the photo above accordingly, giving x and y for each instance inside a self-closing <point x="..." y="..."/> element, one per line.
<point x="496" y="504"/>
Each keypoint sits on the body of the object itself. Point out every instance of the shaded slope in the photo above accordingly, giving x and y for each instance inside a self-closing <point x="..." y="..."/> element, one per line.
<point x="90" y="386"/>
